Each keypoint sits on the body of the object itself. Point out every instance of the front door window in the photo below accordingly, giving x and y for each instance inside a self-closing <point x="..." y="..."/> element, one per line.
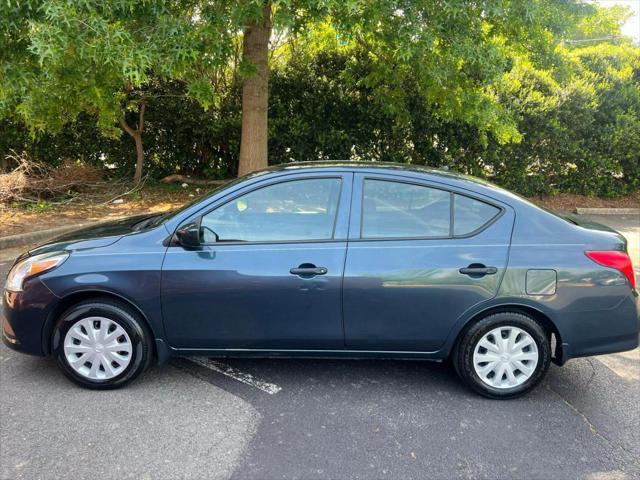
<point x="299" y="210"/>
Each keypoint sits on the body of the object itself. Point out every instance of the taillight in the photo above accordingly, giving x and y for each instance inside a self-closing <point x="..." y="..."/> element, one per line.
<point x="615" y="259"/>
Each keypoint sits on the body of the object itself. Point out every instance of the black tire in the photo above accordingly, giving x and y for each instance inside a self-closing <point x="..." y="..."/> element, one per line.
<point x="122" y="315"/>
<point x="462" y="355"/>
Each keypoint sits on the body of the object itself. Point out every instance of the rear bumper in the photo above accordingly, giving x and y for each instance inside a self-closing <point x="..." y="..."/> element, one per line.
<point x="613" y="345"/>
<point x="24" y="316"/>
<point x="602" y="332"/>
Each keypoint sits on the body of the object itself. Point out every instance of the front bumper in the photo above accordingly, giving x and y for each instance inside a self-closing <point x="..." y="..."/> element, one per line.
<point x="24" y="316"/>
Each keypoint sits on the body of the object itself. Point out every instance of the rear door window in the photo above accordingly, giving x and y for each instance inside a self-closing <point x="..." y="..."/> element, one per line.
<point x="403" y="210"/>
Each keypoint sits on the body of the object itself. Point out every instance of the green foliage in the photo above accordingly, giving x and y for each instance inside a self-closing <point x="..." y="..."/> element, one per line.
<point x="180" y="138"/>
<point x="77" y="56"/>
<point x="602" y="23"/>
<point x="525" y="93"/>
<point x="577" y="134"/>
<point x="62" y="59"/>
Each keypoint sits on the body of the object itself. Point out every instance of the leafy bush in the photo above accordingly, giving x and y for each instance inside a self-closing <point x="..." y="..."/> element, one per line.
<point x="578" y="124"/>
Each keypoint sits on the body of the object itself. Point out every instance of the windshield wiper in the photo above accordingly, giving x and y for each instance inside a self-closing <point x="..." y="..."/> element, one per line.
<point x="147" y="222"/>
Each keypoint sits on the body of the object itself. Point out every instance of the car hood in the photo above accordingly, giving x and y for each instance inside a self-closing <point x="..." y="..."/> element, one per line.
<point x="95" y="236"/>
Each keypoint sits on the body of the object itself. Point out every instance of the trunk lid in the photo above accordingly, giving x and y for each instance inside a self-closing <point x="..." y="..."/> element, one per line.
<point x="589" y="224"/>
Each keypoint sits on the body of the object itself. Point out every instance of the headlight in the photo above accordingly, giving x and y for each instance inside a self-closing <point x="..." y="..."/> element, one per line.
<point x="31" y="266"/>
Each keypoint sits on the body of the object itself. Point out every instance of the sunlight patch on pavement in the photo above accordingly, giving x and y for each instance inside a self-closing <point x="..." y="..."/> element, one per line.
<point x="625" y="365"/>
<point x="246" y="378"/>
<point x="609" y="475"/>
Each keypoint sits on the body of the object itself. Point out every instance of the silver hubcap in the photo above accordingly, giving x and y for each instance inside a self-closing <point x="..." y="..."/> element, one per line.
<point x="505" y="357"/>
<point x="98" y="348"/>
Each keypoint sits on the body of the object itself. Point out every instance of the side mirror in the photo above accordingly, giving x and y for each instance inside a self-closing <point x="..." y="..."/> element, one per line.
<point x="189" y="235"/>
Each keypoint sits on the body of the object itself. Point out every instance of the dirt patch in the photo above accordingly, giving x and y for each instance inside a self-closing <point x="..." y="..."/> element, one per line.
<point x="33" y="217"/>
<point x="568" y="202"/>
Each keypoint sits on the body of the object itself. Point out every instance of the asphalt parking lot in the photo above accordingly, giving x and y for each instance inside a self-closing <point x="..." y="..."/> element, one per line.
<point x="265" y="419"/>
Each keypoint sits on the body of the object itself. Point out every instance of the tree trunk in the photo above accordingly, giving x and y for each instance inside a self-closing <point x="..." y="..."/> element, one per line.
<point x="255" y="95"/>
<point x="136" y="134"/>
<point x="137" y="176"/>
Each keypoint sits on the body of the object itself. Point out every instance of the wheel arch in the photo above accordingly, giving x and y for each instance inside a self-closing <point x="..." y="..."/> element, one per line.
<point x="73" y="298"/>
<point x="539" y="316"/>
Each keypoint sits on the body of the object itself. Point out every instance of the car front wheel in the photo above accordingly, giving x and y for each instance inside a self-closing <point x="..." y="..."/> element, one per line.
<point x="504" y="355"/>
<point x="101" y="344"/>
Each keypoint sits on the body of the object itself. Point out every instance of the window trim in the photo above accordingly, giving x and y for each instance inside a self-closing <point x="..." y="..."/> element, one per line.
<point x="418" y="183"/>
<point x="276" y="242"/>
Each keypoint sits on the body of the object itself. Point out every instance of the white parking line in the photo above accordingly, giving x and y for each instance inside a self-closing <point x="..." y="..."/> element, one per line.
<point x="246" y="378"/>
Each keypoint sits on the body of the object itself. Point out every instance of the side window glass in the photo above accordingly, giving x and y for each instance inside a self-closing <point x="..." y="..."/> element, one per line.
<point x="470" y="214"/>
<point x="287" y="211"/>
<point x="400" y="210"/>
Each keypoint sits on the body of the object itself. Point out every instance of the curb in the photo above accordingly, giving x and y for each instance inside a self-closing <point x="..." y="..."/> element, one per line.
<point x="39" y="236"/>
<point x="607" y="211"/>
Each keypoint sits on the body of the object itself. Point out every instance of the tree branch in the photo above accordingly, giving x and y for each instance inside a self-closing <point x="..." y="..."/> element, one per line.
<point x="194" y="181"/>
<point x="127" y="128"/>
<point x="131" y="131"/>
<point x="142" y="108"/>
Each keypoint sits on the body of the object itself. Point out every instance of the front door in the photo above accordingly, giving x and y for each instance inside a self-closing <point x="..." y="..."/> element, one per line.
<point x="419" y="256"/>
<point x="269" y="275"/>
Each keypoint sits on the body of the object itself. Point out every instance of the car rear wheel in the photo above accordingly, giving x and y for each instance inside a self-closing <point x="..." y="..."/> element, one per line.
<point x="101" y="344"/>
<point x="504" y="355"/>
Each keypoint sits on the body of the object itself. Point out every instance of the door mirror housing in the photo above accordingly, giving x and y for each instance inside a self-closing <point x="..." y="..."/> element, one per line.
<point x="189" y="235"/>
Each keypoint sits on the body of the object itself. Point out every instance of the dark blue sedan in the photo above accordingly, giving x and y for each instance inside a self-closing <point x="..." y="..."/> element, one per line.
<point x="331" y="260"/>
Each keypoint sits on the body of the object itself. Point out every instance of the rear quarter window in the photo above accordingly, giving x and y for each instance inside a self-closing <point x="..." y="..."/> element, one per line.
<point x="470" y="214"/>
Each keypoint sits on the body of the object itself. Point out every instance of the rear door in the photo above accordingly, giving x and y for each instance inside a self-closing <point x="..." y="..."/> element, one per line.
<point x="420" y="254"/>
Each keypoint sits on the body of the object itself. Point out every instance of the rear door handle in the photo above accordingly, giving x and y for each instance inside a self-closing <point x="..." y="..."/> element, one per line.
<point x="308" y="271"/>
<point x="478" y="270"/>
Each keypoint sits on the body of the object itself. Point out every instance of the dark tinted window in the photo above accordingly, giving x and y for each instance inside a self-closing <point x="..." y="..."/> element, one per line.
<point x="470" y="214"/>
<point x="288" y="211"/>
<point x="396" y="210"/>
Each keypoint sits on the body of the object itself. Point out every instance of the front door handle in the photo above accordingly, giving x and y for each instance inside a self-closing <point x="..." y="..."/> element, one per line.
<point x="308" y="271"/>
<point x="478" y="269"/>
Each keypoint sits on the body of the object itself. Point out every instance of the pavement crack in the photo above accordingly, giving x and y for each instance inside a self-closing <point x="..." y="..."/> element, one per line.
<point x="593" y="371"/>
<point x="592" y="428"/>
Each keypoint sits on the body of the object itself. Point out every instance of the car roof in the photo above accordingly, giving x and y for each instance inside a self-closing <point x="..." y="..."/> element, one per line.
<point x="373" y="166"/>
<point x="356" y="165"/>
<point x="447" y="177"/>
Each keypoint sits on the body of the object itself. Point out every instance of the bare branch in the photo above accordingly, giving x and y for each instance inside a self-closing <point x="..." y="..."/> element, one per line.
<point x="194" y="181"/>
